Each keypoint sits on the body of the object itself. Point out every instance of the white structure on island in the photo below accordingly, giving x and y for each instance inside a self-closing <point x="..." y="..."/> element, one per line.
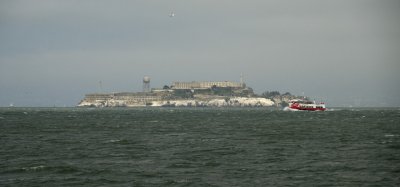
<point x="206" y="85"/>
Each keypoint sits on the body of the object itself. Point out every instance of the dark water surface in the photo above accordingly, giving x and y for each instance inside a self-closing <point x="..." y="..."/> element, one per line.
<point x="198" y="147"/>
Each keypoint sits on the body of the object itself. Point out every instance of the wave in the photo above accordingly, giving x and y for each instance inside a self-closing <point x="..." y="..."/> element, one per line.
<point x="33" y="168"/>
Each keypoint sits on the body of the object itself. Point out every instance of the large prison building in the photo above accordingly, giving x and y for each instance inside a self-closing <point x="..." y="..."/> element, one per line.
<point x="206" y="85"/>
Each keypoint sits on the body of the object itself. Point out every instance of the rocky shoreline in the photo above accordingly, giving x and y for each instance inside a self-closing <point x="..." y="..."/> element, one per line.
<point x="216" y="102"/>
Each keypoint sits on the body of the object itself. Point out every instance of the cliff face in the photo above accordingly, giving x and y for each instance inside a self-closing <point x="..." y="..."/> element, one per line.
<point x="226" y="102"/>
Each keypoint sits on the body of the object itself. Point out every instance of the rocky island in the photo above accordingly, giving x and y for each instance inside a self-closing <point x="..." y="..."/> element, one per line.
<point x="183" y="94"/>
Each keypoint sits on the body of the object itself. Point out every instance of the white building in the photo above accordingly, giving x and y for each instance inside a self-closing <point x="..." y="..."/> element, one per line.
<point x="206" y="85"/>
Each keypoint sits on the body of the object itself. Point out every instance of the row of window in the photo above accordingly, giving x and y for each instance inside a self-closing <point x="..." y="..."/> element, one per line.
<point x="205" y="84"/>
<point x="307" y="106"/>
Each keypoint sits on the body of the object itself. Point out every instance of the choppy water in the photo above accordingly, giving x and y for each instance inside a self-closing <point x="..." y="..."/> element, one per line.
<point x="198" y="147"/>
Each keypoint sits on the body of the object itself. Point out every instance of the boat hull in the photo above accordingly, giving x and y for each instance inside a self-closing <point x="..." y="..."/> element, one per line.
<point x="308" y="109"/>
<point x="307" y="106"/>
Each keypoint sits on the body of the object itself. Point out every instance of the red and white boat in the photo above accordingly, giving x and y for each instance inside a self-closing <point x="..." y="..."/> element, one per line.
<point x="298" y="104"/>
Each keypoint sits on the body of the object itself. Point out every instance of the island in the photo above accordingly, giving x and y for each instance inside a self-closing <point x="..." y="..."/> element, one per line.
<point x="188" y="94"/>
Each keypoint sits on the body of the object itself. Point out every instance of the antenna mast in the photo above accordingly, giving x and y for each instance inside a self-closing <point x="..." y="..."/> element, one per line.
<point x="241" y="79"/>
<point x="101" y="86"/>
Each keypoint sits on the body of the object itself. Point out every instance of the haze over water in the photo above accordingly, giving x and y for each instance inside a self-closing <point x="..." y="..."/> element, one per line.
<point x="199" y="147"/>
<point x="344" y="53"/>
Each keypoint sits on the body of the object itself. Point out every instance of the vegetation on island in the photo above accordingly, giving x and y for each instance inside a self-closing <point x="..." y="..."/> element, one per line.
<point x="280" y="99"/>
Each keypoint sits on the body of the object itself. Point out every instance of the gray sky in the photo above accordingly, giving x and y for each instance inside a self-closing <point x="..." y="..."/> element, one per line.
<point x="344" y="52"/>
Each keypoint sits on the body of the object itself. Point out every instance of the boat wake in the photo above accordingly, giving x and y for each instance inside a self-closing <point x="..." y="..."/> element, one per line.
<point x="290" y="109"/>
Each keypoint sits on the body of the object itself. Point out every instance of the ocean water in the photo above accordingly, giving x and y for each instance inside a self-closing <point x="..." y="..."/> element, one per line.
<point x="199" y="147"/>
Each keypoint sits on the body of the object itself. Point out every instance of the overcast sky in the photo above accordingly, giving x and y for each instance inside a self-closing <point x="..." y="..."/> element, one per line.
<point x="343" y="52"/>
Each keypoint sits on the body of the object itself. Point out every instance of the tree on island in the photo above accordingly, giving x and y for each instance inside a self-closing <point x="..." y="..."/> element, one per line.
<point x="279" y="99"/>
<point x="271" y="94"/>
